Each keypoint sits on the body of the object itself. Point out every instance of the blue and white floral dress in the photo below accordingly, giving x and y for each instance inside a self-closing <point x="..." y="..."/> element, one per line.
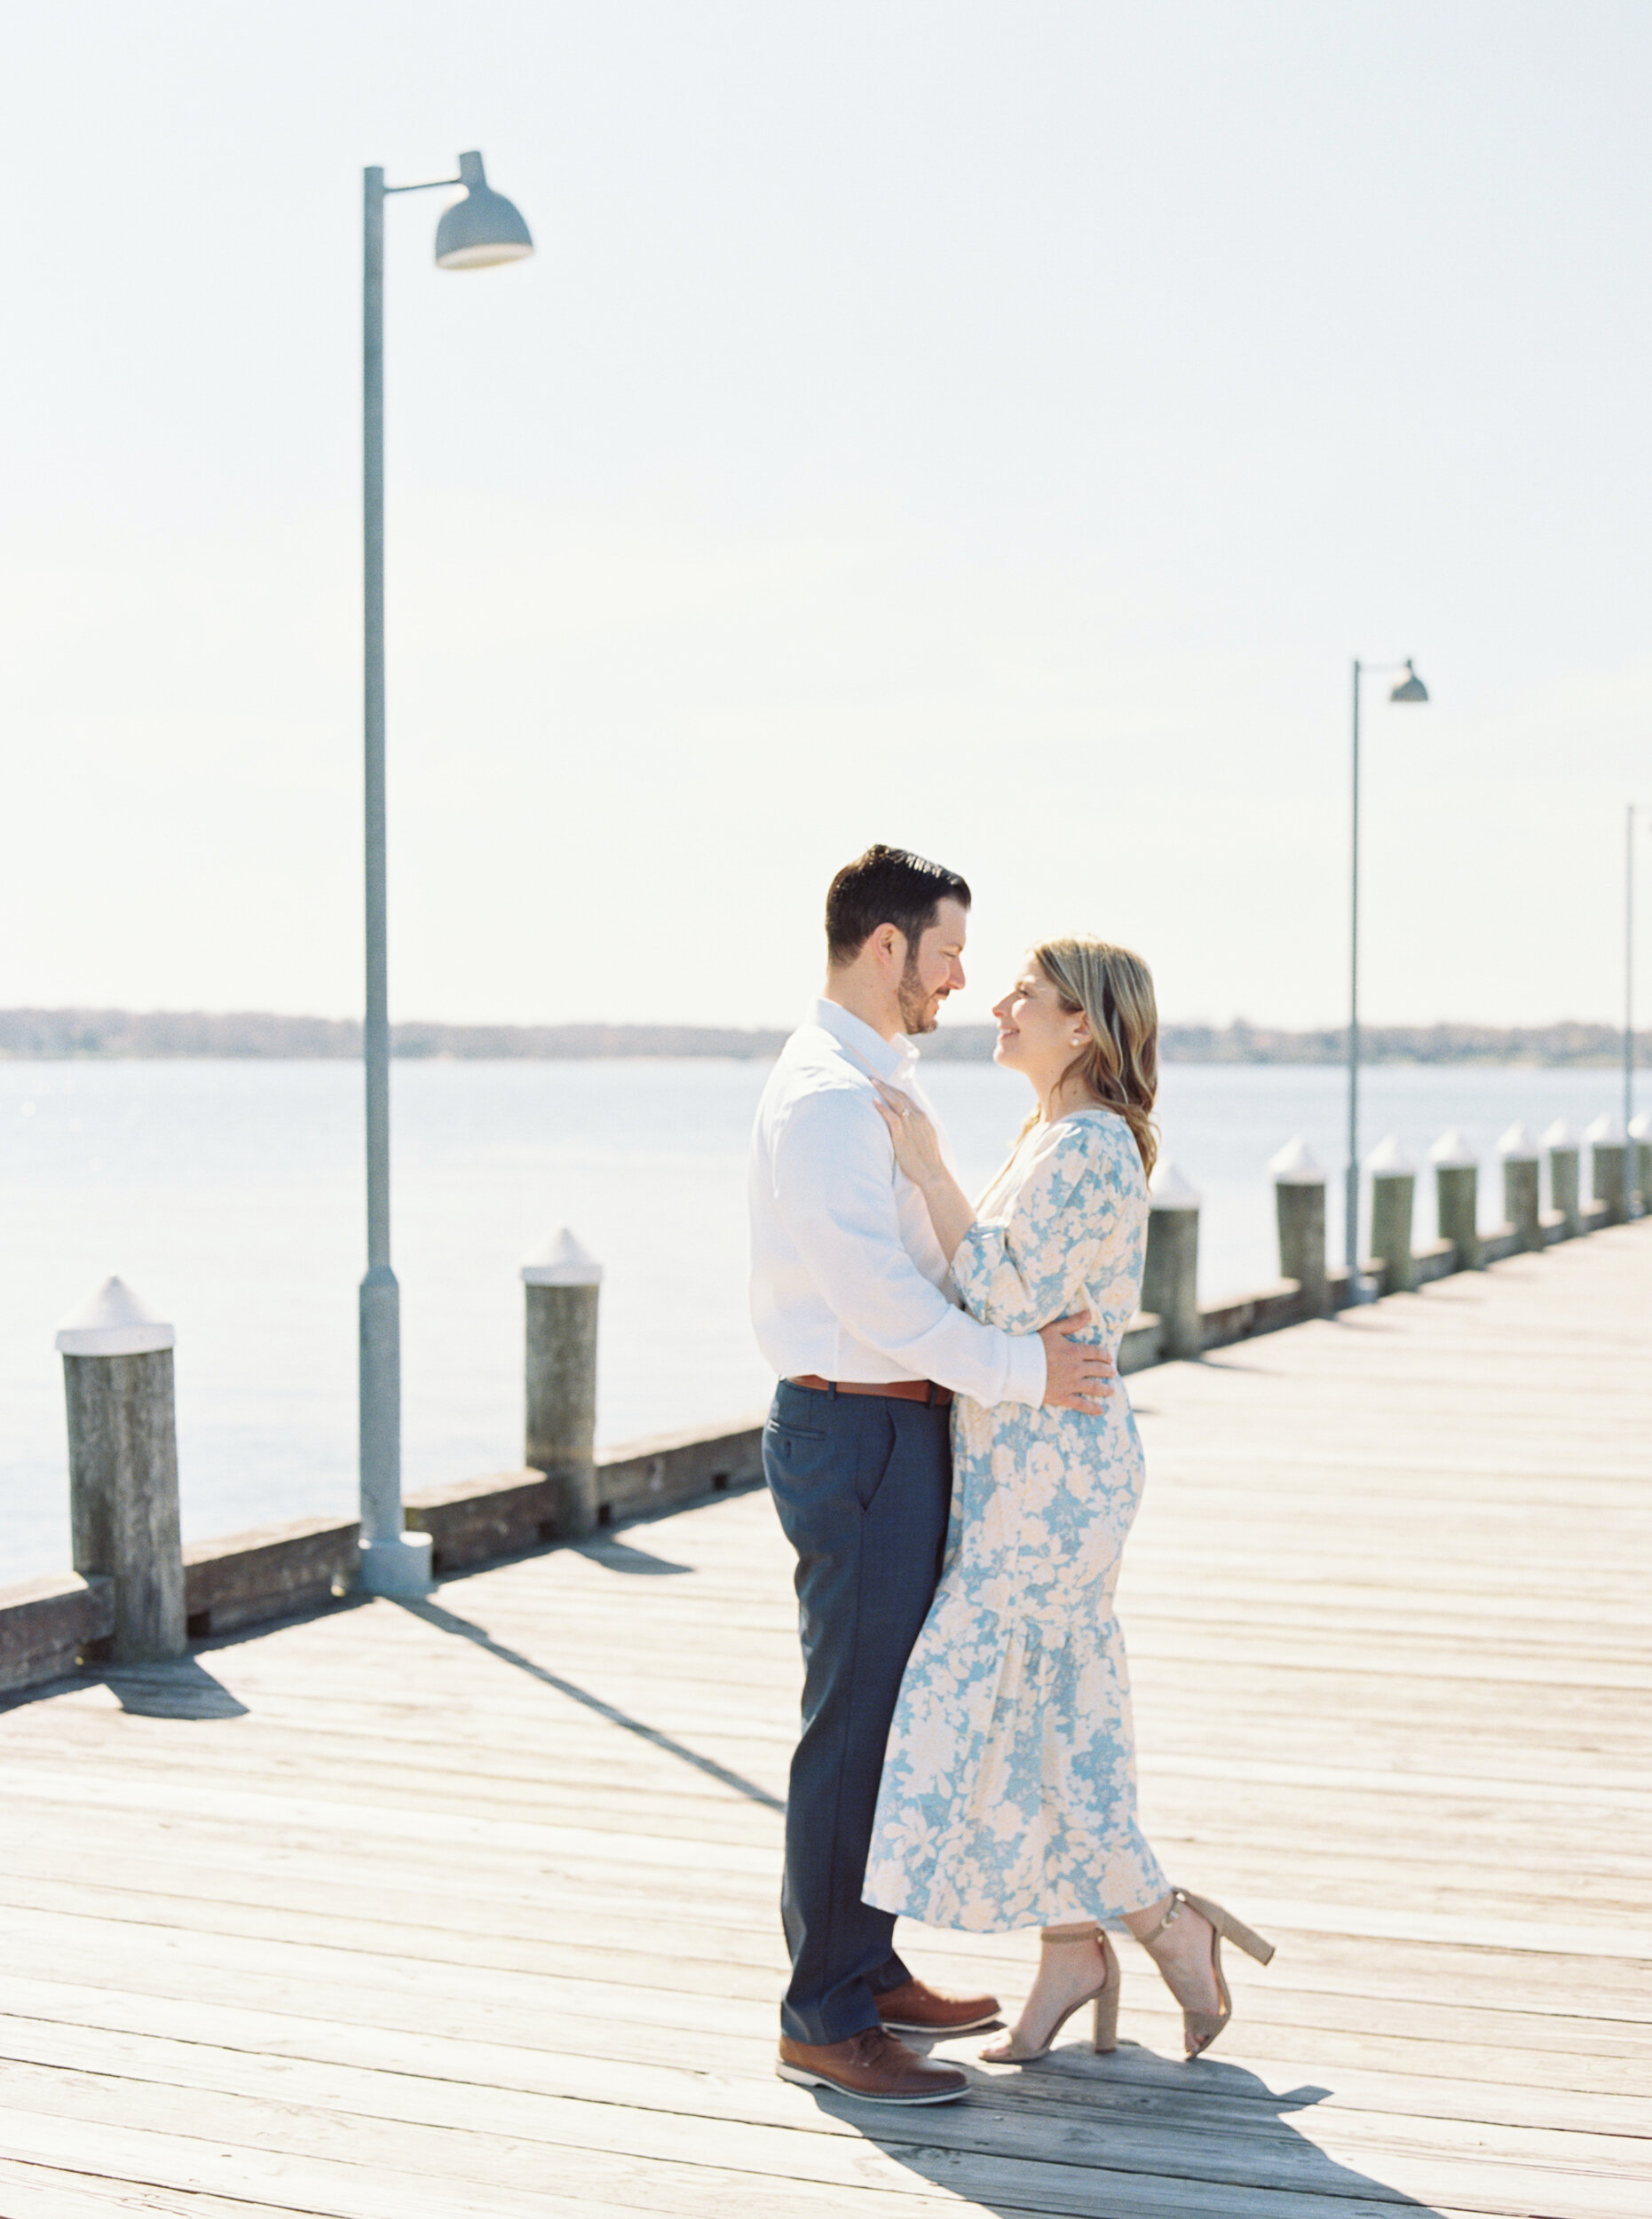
<point x="1008" y="1794"/>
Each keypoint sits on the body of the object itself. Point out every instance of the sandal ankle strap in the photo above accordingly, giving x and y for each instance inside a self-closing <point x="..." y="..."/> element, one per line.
<point x="1087" y="1932"/>
<point x="1172" y="1911"/>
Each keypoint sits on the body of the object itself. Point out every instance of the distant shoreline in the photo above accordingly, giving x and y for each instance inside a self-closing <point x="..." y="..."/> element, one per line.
<point x="41" y="1034"/>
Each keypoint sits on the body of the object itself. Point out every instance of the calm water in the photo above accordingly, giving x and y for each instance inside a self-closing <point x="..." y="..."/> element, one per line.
<point x="231" y="1195"/>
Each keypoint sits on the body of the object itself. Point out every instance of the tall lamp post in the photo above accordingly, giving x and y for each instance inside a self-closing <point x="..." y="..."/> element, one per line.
<point x="477" y="230"/>
<point x="1410" y="688"/>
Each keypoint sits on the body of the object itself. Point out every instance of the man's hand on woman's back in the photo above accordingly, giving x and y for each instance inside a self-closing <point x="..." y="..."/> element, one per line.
<point x="1078" y="1376"/>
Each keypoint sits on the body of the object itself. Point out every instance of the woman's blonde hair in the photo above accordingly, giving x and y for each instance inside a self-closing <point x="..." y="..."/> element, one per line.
<point x="1119" y="1064"/>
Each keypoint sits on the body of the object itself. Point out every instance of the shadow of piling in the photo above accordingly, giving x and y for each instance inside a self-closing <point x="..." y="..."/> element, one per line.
<point x="180" y="1688"/>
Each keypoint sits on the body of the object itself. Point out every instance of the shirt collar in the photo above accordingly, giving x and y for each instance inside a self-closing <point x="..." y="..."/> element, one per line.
<point x="890" y="1060"/>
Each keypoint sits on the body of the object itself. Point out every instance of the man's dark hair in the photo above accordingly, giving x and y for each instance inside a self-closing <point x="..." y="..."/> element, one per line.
<point x="886" y="886"/>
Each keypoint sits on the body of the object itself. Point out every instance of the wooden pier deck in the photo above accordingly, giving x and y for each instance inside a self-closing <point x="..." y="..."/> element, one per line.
<point x="467" y="1910"/>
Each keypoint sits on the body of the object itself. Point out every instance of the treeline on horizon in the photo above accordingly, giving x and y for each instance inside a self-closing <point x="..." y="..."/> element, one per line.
<point x="162" y="1033"/>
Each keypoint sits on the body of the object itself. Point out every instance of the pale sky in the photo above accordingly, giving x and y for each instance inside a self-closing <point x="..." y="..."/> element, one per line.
<point x="992" y="428"/>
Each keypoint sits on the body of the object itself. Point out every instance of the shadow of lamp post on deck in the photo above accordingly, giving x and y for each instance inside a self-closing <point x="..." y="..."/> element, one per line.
<point x="475" y="232"/>
<point x="1410" y="688"/>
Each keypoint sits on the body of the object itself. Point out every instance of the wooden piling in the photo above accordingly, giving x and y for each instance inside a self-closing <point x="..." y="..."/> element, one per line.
<point x="1523" y="1200"/>
<point x="563" y="1287"/>
<point x="123" y="1443"/>
<point x="1299" y="1204"/>
<point x="1608" y="1166"/>
<point x="1457" y="1192"/>
<point x="1393" y="1198"/>
<point x="1641" y="1163"/>
<point x="1565" y="1188"/>
<point x="1170" y="1283"/>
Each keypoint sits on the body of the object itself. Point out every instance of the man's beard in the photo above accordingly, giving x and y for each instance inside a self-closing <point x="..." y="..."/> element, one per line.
<point x="916" y="1014"/>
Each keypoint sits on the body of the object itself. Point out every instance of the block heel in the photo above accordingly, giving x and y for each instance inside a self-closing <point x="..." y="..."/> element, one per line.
<point x="1104" y="2026"/>
<point x="1105" y="2023"/>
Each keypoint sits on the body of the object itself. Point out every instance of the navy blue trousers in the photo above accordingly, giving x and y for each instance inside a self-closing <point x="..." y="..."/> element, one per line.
<point x="862" y="1484"/>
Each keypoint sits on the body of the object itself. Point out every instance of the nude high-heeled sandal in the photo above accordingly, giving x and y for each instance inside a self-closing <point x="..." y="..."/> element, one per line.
<point x="1199" y="2029"/>
<point x="1104" y="2025"/>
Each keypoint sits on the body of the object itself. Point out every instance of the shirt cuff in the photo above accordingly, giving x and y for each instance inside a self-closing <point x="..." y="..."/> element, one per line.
<point x="1028" y="1373"/>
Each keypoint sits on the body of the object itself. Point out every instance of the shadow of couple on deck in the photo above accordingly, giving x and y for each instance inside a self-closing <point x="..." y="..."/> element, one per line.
<point x="1132" y="2135"/>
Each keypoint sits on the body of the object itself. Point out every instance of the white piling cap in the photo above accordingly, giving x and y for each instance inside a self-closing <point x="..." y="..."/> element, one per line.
<point x="1559" y="1135"/>
<point x="1518" y="1144"/>
<point x="1641" y="1127"/>
<point x="1296" y="1165"/>
<point x="1169" y="1189"/>
<point x="1606" y="1131"/>
<point x="114" y="1322"/>
<point x="1452" y="1151"/>
<point x="1388" y="1159"/>
<point x="562" y="1262"/>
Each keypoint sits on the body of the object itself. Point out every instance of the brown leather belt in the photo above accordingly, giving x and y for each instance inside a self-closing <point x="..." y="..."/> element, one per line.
<point x="902" y="1390"/>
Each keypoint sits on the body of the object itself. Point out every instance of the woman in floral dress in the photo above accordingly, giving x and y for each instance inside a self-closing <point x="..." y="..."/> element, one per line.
<point x="1008" y="1792"/>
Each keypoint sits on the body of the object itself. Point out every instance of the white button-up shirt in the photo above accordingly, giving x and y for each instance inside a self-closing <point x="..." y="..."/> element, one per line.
<point x="848" y="1278"/>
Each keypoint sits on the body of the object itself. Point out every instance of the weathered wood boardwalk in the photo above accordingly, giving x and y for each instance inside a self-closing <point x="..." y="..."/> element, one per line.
<point x="423" y="1913"/>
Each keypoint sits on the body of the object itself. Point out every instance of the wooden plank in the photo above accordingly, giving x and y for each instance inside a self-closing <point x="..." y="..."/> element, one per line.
<point x="43" y="2191"/>
<point x="182" y="1799"/>
<point x="158" y="2171"/>
<point x="247" y="1578"/>
<point x="46" y="1623"/>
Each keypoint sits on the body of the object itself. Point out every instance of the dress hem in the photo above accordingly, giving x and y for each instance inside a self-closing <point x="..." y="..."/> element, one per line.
<point x="1032" y="1920"/>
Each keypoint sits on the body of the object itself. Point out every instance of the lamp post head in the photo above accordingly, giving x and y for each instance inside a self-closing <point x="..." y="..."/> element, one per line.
<point x="481" y="229"/>
<point x="1411" y="687"/>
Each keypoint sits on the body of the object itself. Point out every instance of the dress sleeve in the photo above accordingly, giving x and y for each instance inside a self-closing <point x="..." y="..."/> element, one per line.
<point x="1020" y="1276"/>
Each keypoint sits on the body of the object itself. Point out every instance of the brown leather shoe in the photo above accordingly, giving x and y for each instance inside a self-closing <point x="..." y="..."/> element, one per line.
<point x="916" y="2008"/>
<point x="872" y="2064"/>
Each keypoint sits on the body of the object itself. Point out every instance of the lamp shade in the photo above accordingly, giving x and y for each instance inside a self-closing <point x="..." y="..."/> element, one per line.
<point x="481" y="229"/>
<point x="1411" y="687"/>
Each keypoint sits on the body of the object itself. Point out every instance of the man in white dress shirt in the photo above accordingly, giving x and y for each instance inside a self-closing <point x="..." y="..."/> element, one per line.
<point x="850" y="1302"/>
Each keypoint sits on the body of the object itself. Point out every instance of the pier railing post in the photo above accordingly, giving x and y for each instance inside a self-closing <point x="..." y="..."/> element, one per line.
<point x="122" y="1432"/>
<point x="1170" y="1282"/>
<point x="1300" y="1201"/>
<point x="1640" y="1161"/>
<point x="1609" y="1165"/>
<point x="1393" y="1200"/>
<point x="1456" y="1196"/>
<point x="1565" y="1188"/>
<point x="1523" y="1200"/>
<point x="563" y="1287"/>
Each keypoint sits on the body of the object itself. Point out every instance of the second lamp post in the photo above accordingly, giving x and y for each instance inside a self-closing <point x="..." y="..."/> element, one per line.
<point x="1410" y="688"/>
